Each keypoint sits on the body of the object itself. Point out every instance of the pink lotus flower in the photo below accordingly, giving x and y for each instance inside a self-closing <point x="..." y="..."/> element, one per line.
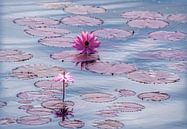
<point x="66" y="77"/>
<point x="87" y="43"/>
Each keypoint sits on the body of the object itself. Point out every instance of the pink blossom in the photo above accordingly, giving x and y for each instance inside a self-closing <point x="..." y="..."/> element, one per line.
<point x="87" y="43"/>
<point x="66" y="77"/>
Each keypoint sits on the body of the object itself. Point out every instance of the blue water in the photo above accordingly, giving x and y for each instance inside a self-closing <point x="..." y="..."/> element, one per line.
<point x="169" y="114"/>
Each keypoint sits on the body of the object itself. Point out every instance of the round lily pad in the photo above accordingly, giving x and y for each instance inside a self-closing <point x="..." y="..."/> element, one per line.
<point x="74" y="56"/>
<point x="7" y="121"/>
<point x="81" y="21"/>
<point x="147" y="23"/>
<point x="108" y="68"/>
<point x="36" y="21"/>
<point x="98" y="97"/>
<point x="49" y="84"/>
<point x="126" y="92"/>
<point x="46" y="32"/>
<point x="108" y="124"/>
<point x="182" y="66"/>
<point x="56" y="104"/>
<point x="25" y="107"/>
<point x="153" y="96"/>
<point x="36" y="70"/>
<point x="33" y="120"/>
<point x="167" y="35"/>
<point x="39" y="111"/>
<point x="107" y="113"/>
<point x="73" y="124"/>
<point x="2" y="104"/>
<point x="113" y="33"/>
<point x="126" y="107"/>
<point x="142" y="15"/>
<point x="182" y="18"/>
<point x="56" y="5"/>
<point x="25" y="101"/>
<point x="84" y="9"/>
<point x="153" y="77"/>
<point x="57" y="42"/>
<point x="14" y="55"/>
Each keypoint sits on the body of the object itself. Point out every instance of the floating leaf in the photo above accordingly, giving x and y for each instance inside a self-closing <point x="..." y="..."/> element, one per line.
<point x="33" y="120"/>
<point x="36" y="21"/>
<point x="56" y="5"/>
<point x="108" y="68"/>
<point x="167" y="35"/>
<point x="7" y="121"/>
<point x="126" y="93"/>
<point x="81" y="21"/>
<point x="2" y="104"/>
<point x="108" y="124"/>
<point x="71" y="124"/>
<point x="153" y="77"/>
<point x="98" y="97"/>
<point x="25" y="107"/>
<point x="36" y="70"/>
<point x="25" y="101"/>
<point x="182" y="66"/>
<point x="46" y="32"/>
<point x="147" y="23"/>
<point x="182" y="18"/>
<point x="142" y="15"/>
<point x="153" y="96"/>
<point x="107" y="113"/>
<point x="39" y="111"/>
<point x="49" y="84"/>
<point x="57" y="42"/>
<point x="126" y="107"/>
<point x="113" y="33"/>
<point x="84" y="9"/>
<point x="14" y="55"/>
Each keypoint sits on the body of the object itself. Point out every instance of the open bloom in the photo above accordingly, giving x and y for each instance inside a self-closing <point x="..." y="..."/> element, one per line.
<point x="66" y="77"/>
<point x="87" y="43"/>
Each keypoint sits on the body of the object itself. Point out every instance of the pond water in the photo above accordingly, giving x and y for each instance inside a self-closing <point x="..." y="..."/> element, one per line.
<point x="139" y="81"/>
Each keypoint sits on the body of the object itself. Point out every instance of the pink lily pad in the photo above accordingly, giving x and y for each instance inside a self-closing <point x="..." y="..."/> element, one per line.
<point x="36" y="70"/>
<point x="74" y="56"/>
<point x="46" y="32"/>
<point x="182" y="66"/>
<point x="108" y="68"/>
<point x="126" y="107"/>
<point x="36" y="21"/>
<point x="81" y="21"/>
<point x="39" y="111"/>
<point x="25" y="101"/>
<point x="73" y="124"/>
<point x="52" y="92"/>
<point x="7" y="121"/>
<point x="125" y="92"/>
<point x="2" y="104"/>
<point x="49" y="84"/>
<point x="182" y="18"/>
<point x="98" y="97"/>
<point x="113" y="33"/>
<point x="147" y="23"/>
<point x="107" y="113"/>
<point x="167" y="35"/>
<point x="56" y="104"/>
<point x="153" y="77"/>
<point x="57" y="42"/>
<point x="14" y="55"/>
<point x="108" y="124"/>
<point x="33" y="120"/>
<point x="25" y="107"/>
<point x="153" y="96"/>
<point x="56" y="5"/>
<point x="142" y="15"/>
<point x="84" y="9"/>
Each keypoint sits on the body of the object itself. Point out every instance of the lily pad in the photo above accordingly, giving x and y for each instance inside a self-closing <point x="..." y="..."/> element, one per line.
<point x="46" y="32"/>
<point x="36" y="21"/>
<point x="25" y="107"/>
<point x="84" y="9"/>
<point x="39" y="111"/>
<point x="153" y="77"/>
<point x="56" y="5"/>
<point x="113" y="33"/>
<point x="142" y="15"/>
<point x="73" y="124"/>
<point x="36" y="70"/>
<point x="125" y="92"/>
<point x="167" y="35"/>
<point x="182" y="66"/>
<point x="2" y="104"/>
<point x="147" y="23"/>
<point x="98" y="97"/>
<point x="7" y="121"/>
<point x="107" y="113"/>
<point x="33" y="120"/>
<point x="108" y="68"/>
<point x="126" y="107"/>
<point x="108" y="124"/>
<point x="25" y="101"/>
<point x="49" y="84"/>
<point x="57" y="42"/>
<point x="81" y="21"/>
<point x="14" y="55"/>
<point x="182" y="18"/>
<point x="153" y="96"/>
